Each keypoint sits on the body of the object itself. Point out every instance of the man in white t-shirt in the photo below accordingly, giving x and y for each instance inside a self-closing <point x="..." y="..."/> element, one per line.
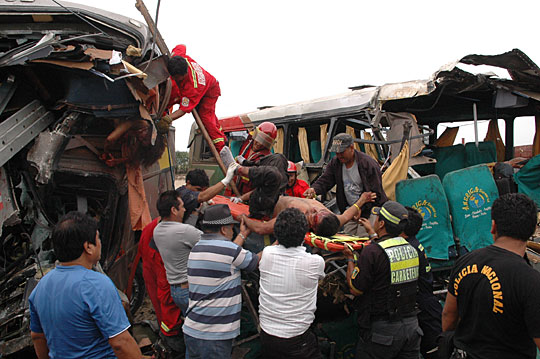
<point x="288" y="291"/>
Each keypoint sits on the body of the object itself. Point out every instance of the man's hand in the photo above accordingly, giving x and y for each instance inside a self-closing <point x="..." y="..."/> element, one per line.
<point x="240" y="159"/>
<point x="366" y="197"/>
<point x="244" y="229"/>
<point x="230" y="174"/>
<point x="310" y="193"/>
<point x="348" y="253"/>
<point x="367" y="225"/>
<point x="236" y="199"/>
<point x="164" y="123"/>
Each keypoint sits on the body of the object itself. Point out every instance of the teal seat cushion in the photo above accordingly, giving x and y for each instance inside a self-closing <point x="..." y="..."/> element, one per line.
<point x="528" y="179"/>
<point x="471" y="192"/>
<point x="235" y="147"/>
<point x="315" y="151"/>
<point x="449" y="159"/>
<point x="426" y="194"/>
<point x="486" y="152"/>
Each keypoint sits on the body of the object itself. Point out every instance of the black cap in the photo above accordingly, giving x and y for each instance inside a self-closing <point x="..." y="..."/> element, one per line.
<point x="393" y="212"/>
<point x="341" y="142"/>
<point x="218" y="215"/>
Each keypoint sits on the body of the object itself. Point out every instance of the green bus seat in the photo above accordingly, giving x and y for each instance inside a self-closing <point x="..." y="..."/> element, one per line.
<point x="471" y="192"/>
<point x="315" y="151"/>
<point x="486" y="152"/>
<point x="426" y="194"/>
<point x="528" y="179"/>
<point x="449" y="159"/>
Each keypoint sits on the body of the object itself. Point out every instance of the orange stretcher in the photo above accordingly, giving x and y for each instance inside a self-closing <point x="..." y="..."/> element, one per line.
<point x="336" y="243"/>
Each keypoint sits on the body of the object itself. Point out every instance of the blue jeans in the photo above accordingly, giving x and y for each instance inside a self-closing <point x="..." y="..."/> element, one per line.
<point x="208" y="349"/>
<point x="180" y="297"/>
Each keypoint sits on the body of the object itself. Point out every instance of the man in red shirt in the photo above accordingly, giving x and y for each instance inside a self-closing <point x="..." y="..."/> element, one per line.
<point x="295" y="187"/>
<point x="193" y="87"/>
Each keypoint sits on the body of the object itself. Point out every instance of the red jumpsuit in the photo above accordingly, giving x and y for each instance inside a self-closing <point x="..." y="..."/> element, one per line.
<point x="300" y="186"/>
<point x="198" y="89"/>
<point x="157" y="286"/>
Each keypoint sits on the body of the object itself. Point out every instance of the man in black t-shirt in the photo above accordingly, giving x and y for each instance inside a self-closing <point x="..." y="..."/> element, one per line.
<point x="493" y="300"/>
<point x="385" y="277"/>
<point x="429" y="317"/>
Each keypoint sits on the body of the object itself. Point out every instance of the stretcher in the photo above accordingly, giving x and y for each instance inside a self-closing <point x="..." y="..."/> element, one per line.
<point x="335" y="243"/>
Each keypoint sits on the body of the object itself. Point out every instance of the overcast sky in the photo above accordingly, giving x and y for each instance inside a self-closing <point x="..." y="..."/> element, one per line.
<point x="279" y="52"/>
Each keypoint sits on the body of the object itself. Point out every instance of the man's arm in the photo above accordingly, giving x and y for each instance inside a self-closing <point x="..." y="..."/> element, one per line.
<point x="124" y="346"/>
<point x="177" y="114"/>
<point x="537" y="341"/>
<point x="324" y="183"/>
<point x="354" y="210"/>
<point x="242" y="235"/>
<point x="40" y="345"/>
<point x="260" y="227"/>
<point x="450" y="315"/>
<point x="350" y="269"/>
<point x="210" y="192"/>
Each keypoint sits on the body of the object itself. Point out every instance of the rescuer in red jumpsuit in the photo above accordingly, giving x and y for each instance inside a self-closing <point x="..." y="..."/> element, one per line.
<point x="295" y="187"/>
<point x="193" y="87"/>
<point x="254" y="148"/>
<point x="167" y="312"/>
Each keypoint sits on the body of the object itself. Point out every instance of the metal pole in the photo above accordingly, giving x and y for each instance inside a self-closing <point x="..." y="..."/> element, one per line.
<point x="139" y="4"/>
<point x="475" y="117"/>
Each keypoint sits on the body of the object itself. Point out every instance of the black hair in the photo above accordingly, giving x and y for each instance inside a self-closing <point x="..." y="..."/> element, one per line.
<point x="70" y="234"/>
<point x="414" y="222"/>
<point x="515" y="215"/>
<point x="291" y="227"/>
<point x="177" y="65"/>
<point x="392" y="228"/>
<point x="198" y="177"/>
<point x="167" y="200"/>
<point x="328" y="226"/>
<point x="211" y="228"/>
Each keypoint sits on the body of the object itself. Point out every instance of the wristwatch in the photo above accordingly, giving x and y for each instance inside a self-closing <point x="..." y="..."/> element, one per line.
<point x="373" y="235"/>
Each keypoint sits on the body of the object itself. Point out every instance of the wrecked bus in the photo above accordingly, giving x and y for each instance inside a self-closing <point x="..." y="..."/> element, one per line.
<point x="79" y="88"/>
<point x="452" y="185"/>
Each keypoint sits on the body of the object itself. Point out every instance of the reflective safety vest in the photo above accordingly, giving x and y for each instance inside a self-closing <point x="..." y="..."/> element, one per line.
<point x="404" y="272"/>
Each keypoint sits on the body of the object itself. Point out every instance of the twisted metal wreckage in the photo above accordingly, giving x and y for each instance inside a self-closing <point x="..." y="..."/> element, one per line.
<point x="79" y="90"/>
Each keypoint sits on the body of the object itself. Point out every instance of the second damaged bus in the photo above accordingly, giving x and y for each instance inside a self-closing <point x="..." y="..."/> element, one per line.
<point x="449" y="182"/>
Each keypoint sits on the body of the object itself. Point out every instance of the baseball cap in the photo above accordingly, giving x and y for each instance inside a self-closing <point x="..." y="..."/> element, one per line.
<point x="392" y="211"/>
<point x="341" y="142"/>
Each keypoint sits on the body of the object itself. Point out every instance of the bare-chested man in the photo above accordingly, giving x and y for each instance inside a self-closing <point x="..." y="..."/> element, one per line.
<point x="321" y="220"/>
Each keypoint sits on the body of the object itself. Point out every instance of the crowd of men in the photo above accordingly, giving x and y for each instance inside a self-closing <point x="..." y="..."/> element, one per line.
<point x="193" y="256"/>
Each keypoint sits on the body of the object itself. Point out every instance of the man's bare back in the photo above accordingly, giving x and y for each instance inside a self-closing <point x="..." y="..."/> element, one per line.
<point x="303" y="204"/>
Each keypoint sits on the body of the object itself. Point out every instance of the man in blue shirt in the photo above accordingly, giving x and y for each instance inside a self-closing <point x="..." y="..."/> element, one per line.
<point x="74" y="311"/>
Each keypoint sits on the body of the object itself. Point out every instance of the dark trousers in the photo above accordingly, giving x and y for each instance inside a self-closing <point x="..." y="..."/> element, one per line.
<point x="268" y="183"/>
<point x="429" y="320"/>
<point x="303" y="346"/>
<point x="391" y="339"/>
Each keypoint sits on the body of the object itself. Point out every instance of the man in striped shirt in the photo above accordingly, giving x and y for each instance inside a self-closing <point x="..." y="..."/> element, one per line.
<point x="214" y="264"/>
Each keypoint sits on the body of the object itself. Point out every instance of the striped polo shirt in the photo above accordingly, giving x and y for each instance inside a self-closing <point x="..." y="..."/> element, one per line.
<point x="215" y="299"/>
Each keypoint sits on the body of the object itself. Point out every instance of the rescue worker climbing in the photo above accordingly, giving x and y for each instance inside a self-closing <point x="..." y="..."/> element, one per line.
<point x="192" y="87"/>
<point x="295" y="186"/>
<point x="254" y="148"/>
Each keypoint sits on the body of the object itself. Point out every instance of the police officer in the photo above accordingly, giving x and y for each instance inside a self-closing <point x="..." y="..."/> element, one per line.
<point x="384" y="275"/>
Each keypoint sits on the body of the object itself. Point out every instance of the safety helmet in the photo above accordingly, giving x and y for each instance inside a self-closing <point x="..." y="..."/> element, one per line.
<point x="265" y="134"/>
<point x="291" y="168"/>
